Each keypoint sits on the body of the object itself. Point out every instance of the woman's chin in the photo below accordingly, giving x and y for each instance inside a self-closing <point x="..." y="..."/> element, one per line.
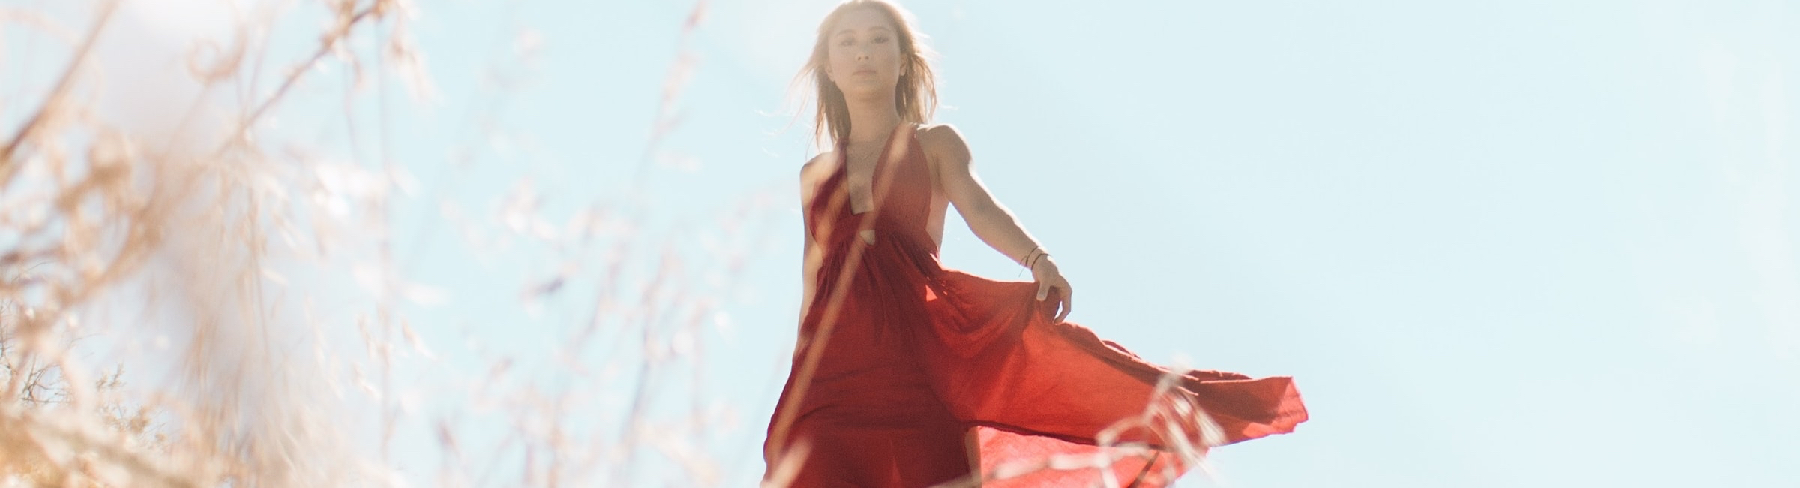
<point x="861" y="91"/>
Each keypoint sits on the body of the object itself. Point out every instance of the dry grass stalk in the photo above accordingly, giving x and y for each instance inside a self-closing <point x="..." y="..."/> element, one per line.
<point x="197" y="231"/>
<point x="90" y="216"/>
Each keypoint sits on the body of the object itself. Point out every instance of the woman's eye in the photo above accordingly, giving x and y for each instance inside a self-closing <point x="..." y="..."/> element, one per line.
<point x="881" y="40"/>
<point x="846" y="42"/>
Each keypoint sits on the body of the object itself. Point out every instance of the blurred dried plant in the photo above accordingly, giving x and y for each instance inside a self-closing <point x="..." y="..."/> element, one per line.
<point x="130" y="236"/>
<point x="201" y="248"/>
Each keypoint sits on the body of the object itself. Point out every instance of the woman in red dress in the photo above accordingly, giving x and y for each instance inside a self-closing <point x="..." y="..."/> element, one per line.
<point x="909" y="374"/>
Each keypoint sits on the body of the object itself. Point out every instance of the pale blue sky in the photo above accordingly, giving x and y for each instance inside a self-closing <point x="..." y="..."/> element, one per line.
<point x="1530" y="244"/>
<point x="1497" y="245"/>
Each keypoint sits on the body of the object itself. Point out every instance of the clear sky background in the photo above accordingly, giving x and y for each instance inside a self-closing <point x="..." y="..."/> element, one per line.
<point x="1497" y="245"/>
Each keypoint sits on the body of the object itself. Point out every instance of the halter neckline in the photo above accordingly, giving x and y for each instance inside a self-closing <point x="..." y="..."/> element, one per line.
<point x="843" y="169"/>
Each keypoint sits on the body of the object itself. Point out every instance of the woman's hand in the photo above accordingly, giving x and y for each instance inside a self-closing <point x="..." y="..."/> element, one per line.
<point x="1044" y="271"/>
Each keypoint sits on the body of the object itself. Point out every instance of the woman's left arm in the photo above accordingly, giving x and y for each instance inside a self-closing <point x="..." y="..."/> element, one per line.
<point x="990" y="221"/>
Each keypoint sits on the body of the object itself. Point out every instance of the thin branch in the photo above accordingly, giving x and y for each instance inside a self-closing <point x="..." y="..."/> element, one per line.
<point x="325" y="48"/>
<point x="56" y="94"/>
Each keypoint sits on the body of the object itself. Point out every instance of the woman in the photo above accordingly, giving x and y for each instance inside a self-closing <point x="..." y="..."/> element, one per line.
<point x="908" y="374"/>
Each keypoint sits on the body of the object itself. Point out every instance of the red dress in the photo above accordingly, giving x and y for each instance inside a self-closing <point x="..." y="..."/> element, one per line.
<point x="898" y="357"/>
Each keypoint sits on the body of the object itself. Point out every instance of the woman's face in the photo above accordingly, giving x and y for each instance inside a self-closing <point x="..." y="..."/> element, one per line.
<point x="863" y="54"/>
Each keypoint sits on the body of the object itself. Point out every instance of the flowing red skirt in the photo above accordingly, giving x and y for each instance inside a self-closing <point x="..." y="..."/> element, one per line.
<point x="914" y="361"/>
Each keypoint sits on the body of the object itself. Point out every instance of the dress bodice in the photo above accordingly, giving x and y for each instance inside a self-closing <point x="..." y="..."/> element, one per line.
<point x="900" y="190"/>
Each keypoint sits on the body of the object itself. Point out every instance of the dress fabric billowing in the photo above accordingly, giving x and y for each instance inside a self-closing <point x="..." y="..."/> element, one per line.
<point x="917" y="354"/>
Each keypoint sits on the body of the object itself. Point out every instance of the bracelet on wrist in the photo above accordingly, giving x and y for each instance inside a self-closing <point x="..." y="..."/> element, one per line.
<point x="1026" y="260"/>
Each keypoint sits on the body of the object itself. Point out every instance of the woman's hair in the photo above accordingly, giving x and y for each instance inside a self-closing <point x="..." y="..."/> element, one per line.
<point x="915" y="94"/>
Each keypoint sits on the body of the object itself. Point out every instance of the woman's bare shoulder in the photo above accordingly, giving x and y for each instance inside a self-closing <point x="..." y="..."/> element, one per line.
<point x="939" y="134"/>
<point x="944" y="143"/>
<point x="818" y="164"/>
<point x="815" y="171"/>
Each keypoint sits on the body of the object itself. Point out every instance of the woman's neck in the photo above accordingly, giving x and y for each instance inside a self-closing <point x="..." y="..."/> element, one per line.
<point x="872" y="120"/>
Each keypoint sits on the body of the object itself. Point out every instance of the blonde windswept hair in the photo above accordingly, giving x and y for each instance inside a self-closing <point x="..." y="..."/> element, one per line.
<point x="915" y="94"/>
